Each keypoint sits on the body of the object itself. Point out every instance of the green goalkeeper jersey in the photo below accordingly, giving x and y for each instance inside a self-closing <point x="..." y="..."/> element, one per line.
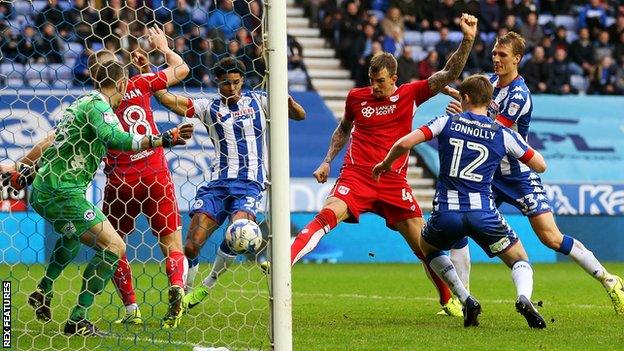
<point x="87" y="129"/>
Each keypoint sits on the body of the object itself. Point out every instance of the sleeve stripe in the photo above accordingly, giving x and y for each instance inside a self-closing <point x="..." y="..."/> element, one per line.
<point x="427" y="132"/>
<point x="504" y="121"/>
<point x="528" y="155"/>
<point x="190" y="108"/>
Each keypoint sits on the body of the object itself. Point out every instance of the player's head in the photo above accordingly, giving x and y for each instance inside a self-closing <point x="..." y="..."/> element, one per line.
<point x="383" y="75"/>
<point x="230" y="75"/>
<point x="507" y="53"/>
<point x="111" y="79"/>
<point x="96" y="59"/>
<point x="475" y="91"/>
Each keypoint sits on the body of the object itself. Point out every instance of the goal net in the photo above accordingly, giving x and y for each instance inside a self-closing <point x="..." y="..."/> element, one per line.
<point x="43" y="70"/>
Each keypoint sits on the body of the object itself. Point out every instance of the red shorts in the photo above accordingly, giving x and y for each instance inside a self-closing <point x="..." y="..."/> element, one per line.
<point x="152" y="195"/>
<point x="391" y="197"/>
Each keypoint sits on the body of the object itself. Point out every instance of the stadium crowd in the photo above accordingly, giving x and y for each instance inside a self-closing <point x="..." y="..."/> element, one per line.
<point x="61" y="35"/>
<point x="572" y="45"/>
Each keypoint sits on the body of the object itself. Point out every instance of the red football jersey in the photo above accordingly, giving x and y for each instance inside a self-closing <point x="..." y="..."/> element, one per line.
<point x="379" y="123"/>
<point x="135" y="115"/>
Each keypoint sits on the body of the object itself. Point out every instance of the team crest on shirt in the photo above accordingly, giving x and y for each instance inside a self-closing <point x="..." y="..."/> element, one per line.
<point x="368" y="111"/>
<point x="513" y="108"/>
<point x="89" y="215"/>
<point x="343" y="190"/>
<point x="198" y="204"/>
<point x="394" y="98"/>
<point x="109" y="117"/>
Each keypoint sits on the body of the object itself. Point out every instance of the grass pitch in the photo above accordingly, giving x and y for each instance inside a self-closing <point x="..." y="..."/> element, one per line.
<point x="335" y="307"/>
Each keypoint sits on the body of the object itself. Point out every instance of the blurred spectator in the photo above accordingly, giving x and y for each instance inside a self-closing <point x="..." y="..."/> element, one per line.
<point x="555" y="7"/>
<point x="480" y="59"/>
<point x="225" y="19"/>
<point x="409" y="9"/>
<point x="81" y="68"/>
<point x="257" y="69"/>
<point x="447" y="15"/>
<point x="508" y="8"/>
<point x="393" y="20"/>
<point x="52" y="13"/>
<point x="603" y="79"/>
<point x="6" y="10"/>
<point x="619" y="79"/>
<point x="582" y="51"/>
<point x="253" y="21"/>
<point x="363" y="47"/>
<point x="444" y="47"/>
<point x="394" y="43"/>
<point x="560" y="73"/>
<point x="524" y="8"/>
<point x="376" y="49"/>
<point x="531" y="31"/>
<point x="8" y="45"/>
<point x="561" y="41"/>
<point x="406" y="68"/>
<point x="86" y="22"/>
<point x="618" y="52"/>
<point x="294" y="51"/>
<point x="511" y="24"/>
<point x="181" y="18"/>
<point x="428" y="65"/>
<point x="617" y="28"/>
<point x="243" y="37"/>
<point x="425" y="13"/>
<point x="536" y="72"/>
<point x="549" y="49"/>
<point x="109" y="26"/>
<point x="489" y="12"/>
<point x="602" y="46"/>
<point x="48" y="46"/>
<point x="26" y="45"/>
<point x="592" y="16"/>
<point x="350" y="28"/>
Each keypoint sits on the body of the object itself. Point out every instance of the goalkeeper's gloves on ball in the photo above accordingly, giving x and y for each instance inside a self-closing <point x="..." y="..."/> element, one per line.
<point x="175" y="136"/>
<point x="20" y="178"/>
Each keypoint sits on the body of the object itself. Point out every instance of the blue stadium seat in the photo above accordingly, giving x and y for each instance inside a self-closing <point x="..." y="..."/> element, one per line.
<point x="379" y="14"/>
<point x="59" y="71"/>
<point x="297" y="80"/>
<point x="22" y="8"/>
<point x="73" y="50"/>
<point x="544" y="18"/>
<point x="455" y="36"/>
<point x="579" y="82"/>
<point x="413" y="37"/>
<point x="418" y="53"/>
<point x="610" y="20"/>
<point x="13" y="73"/>
<point x="571" y="36"/>
<point x="567" y="21"/>
<point x="430" y="38"/>
<point x="199" y="14"/>
<point x="38" y="5"/>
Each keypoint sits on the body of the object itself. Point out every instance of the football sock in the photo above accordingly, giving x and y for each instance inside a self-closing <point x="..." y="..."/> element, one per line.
<point x="442" y="265"/>
<point x="176" y="266"/>
<point x="585" y="258"/>
<point x="122" y="278"/>
<point x="522" y="276"/>
<point x="65" y="250"/>
<point x="95" y="277"/>
<point x="220" y="265"/>
<point x="443" y="291"/>
<point x="309" y="237"/>
<point x="193" y="268"/>
<point x="132" y="307"/>
<point x="461" y="260"/>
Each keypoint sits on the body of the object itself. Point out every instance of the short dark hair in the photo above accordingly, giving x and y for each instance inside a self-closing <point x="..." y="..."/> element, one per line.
<point x="518" y="45"/>
<point x="108" y="74"/>
<point x="478" y="88"/>
<point x="228" y="65"/>
<point x="381" y="61"/>
<point x="96" y="59"/>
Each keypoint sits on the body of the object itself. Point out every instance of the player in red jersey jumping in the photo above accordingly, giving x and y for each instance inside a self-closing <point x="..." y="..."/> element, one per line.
<point x="375" y="118"/>
<point x="141" y="183"/>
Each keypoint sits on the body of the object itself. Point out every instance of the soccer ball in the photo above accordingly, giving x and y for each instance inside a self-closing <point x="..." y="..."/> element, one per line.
<point x="243" y="236"/>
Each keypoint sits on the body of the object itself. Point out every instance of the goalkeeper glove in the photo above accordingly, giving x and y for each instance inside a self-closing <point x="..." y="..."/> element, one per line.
<point x="174" y="136"/>
<point x="21" y="178"/>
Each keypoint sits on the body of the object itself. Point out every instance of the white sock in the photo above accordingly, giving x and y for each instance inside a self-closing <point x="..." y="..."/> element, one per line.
<point x="444" y="268"/>
<point x="461" y="261"/>
<point x="190" y="276"/>
<point x="132" y="307"/>
<point x="586" y="259"/>
<point x="220" y="265"/>
<point x="522" y="276"/>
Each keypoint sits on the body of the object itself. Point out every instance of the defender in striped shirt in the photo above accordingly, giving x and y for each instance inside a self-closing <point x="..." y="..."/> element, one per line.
<point x="471" y="146"/>
<point x="236" y="124"/>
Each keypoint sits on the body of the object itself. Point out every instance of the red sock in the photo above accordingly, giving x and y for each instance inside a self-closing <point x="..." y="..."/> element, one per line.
<point x="308" y="238"/>
<point x="443" y="291"/>
<point x="176" y="266"/>
<point x="123" y="282"/>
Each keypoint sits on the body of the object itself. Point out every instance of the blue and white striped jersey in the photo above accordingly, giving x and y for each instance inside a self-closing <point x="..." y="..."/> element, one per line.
<point x="237" y="132"/>
<point x="470" y="149"/>
<point x="512" y="106"/>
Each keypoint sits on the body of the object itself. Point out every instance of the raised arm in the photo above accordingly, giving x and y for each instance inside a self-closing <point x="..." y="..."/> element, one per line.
<point x="455" y="64"/>
<point x="176" y="69"/>
<point x="177" y="104"/>
<point x="338" y="140"/>
<point x="35" y="153"/>
<point x="399" y="148"/>
<point x="23" y="172"/>
<point x="535" y="161"/>
<point x="295" y="110"/>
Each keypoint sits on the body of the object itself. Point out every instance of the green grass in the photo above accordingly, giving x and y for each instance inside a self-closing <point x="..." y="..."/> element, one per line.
<point x="336" y="307"/>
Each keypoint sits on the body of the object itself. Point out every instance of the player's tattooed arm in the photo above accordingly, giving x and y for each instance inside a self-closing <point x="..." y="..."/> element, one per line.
<point x="339" y="139"/>
<point x="455" y="64"/>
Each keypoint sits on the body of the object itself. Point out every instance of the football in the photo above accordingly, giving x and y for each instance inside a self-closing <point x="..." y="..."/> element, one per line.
<point x="244" y="236"/>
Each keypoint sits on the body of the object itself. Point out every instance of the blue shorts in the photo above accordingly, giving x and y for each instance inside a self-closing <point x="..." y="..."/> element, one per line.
<point x="219" y="199"/>
<point x="523" y="191"/>
<point x="487" y="228"/>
